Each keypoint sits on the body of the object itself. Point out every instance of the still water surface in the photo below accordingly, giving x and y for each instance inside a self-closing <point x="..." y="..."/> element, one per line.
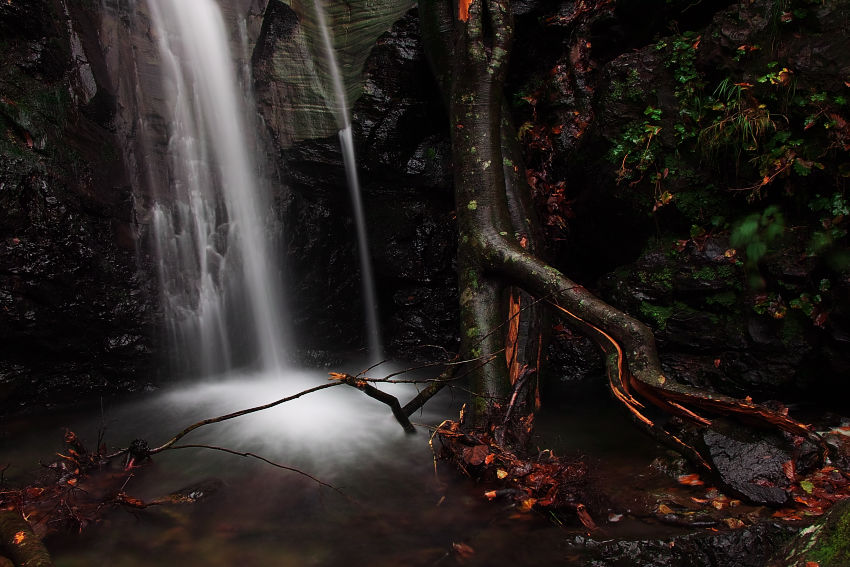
<point x="395" y="511"/>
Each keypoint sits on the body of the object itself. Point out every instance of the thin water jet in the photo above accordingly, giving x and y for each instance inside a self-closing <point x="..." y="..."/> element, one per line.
<point x="370" y="303"/>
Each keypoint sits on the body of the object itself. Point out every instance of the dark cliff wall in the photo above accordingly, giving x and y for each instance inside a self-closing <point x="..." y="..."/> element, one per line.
<point x="691" y="162"/>
<point x="74" y="314"/>
<point x="638" y="182"/>
<point x="621" y="116"/>
<point x="402" y="153"/>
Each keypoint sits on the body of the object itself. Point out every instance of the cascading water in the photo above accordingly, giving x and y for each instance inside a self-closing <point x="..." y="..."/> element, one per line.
<point x="218" y="271"/>
<point x="370" y="303"/>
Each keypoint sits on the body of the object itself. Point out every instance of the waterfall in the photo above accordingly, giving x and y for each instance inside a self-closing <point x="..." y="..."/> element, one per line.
<point x="212" y="225"/>
<point x="370" y="303"/>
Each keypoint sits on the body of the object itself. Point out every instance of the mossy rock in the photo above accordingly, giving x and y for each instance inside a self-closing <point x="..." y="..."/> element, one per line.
<point x="825" y="543"/>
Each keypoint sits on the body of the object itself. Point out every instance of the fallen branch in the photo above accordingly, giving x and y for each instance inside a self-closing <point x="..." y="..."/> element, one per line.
<point x="221" y="418"/>
<point x="377" y="394"/>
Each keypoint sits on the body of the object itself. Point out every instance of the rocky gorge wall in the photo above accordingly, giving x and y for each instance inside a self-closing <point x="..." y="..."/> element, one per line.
<point x="661" y="234"/>
<point x="75" y="315"/>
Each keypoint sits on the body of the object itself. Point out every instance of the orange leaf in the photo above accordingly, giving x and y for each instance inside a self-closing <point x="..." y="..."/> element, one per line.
<point x="511" y="339"/>
<point x="19" y="538"/>
<point x="690" y="480"/>
<point x="463" y="10"/>
<point x="463" y="550"/>
<point x="585" y="518"/>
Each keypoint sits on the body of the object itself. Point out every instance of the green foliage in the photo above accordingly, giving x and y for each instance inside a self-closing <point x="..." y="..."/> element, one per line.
<point x="755" y="233"/>
<point x="658" y="314"/>
<point x="628" y="88"/>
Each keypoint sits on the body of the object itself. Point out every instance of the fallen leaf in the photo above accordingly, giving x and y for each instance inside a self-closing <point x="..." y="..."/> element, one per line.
<point x="19" y="538"/>
<point x="733" y="523"/>
<point x="463" y="550"/>
<point x="501" y="474"/>
<point x="690" y="480"/>
<point x="475" y="455"/>
<point x="790" y="470"/>
<point x="585" y="518"/>
<point x="664" y="509"/>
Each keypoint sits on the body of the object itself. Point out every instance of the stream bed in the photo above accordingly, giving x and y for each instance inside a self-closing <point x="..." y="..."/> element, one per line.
<point x="396" y="507"/>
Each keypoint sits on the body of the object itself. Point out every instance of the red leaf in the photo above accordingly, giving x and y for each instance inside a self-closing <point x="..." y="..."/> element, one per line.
<point x="463" y="550"/>
<point x="585" y="518"/>
<point x="790" y="470"/>
<point x="476" y="455"/>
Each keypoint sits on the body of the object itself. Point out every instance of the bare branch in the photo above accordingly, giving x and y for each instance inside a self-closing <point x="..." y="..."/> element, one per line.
<point x="377" y="394"/>
<point x="226" y="417"/>
<point x="265" y="460"/>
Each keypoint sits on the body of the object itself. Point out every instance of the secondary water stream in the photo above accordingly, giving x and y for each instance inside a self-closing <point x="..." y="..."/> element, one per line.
<point x="370" y="302"/>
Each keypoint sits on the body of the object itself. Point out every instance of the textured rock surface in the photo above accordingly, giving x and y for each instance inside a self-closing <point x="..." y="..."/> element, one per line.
<point x="74" y="317"/>
<point x="293" y="82"/>
<point x="826" y="542"/>
<point x="595" y="80"/>
<point x="402" y="155"/>
<point x="744" y="547"/>
<point x="751" y="464"/>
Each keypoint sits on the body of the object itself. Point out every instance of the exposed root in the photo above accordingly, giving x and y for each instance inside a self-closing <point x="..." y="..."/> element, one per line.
<point x="671" y="396"/>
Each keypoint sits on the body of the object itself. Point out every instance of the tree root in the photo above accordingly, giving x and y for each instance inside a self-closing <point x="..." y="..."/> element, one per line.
<point x="670" y="397"/>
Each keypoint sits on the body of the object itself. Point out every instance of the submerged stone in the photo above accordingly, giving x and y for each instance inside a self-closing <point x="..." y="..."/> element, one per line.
<point x="746" y="547"/>
<point x="753" y="464"/>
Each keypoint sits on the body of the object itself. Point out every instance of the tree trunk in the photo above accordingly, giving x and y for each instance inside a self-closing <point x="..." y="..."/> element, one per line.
<point x="468" y="44"/>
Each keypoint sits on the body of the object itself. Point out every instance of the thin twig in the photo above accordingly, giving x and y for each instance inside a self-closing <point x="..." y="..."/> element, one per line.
<point x="265" y="460"/>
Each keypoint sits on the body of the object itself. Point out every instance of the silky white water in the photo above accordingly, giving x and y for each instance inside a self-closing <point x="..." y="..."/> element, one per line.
<point x="212" y="225"/>
<point x="370" y="303"/>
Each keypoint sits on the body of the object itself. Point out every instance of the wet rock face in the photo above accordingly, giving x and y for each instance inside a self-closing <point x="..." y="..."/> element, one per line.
<point x="714" y="327"/>
<point x="826" y="542"/>
<point x="403" y="155"/>
<point x="714" y="331"/>
<point x="74" y="316"/>
<point x="751" y="546"/>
